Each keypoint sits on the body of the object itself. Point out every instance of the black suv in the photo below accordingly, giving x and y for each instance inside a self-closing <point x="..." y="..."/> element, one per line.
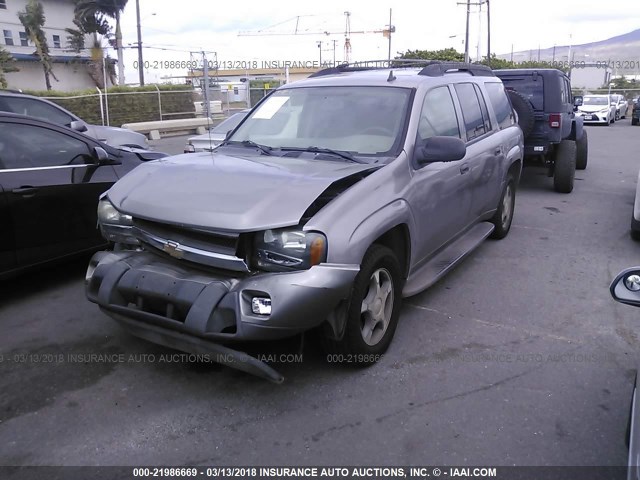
<point x="554" y="135"/>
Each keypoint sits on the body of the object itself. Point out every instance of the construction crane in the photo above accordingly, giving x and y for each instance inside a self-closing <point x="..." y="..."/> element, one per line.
<point x="347" y="33"/>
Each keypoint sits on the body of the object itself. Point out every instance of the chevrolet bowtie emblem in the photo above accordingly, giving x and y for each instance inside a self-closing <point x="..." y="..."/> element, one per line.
<point x="173" y="249"/>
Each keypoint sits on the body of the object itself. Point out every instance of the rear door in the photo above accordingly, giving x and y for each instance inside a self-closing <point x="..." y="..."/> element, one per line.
<point x="51" y="183"/>
<point x="484" y="150"/>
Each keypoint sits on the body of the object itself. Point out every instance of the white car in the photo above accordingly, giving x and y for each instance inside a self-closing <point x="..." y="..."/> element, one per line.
<point x="621" y="105"/>
<point x="597" y="109"/>
<point x="216" y="135"/>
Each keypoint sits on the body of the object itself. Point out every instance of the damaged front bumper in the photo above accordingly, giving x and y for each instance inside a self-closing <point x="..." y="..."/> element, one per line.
<point x="196" y="311"/>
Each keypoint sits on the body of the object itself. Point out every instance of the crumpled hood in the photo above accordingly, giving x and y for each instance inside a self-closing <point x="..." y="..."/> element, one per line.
<point x="229" y="193"/>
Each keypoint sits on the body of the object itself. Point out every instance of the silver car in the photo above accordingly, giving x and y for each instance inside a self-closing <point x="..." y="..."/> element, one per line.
<point x="337" y="196"/>
<point x="45" y="110"/>
<point x="216" y="135"/>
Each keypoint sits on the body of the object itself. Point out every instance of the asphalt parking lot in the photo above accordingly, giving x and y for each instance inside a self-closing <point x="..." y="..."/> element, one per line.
<point x="518" y="357"/>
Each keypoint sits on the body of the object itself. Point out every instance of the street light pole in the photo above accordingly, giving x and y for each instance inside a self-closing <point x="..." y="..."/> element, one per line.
<point x="488" y="34"/>
<point x="140" y="62"/>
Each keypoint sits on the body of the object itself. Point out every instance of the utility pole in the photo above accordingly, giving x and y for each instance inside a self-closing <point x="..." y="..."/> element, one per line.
<point x="466" y="35"/>
<point x="334" y="53"/>
<point x="488" y="34"/>
<point x="320" y="50"/>
<point x="205" y="87"/>
<point x="140" y="62"/>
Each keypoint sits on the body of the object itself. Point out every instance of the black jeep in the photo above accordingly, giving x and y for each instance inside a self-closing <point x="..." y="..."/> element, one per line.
<point x="553" y="134"/>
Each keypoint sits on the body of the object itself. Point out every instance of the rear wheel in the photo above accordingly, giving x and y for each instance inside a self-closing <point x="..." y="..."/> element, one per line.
<point x="504" y="215"/>
<point x="564" y="166"/>
<point x="582" y="147"/>
<point x="373" y="309"/>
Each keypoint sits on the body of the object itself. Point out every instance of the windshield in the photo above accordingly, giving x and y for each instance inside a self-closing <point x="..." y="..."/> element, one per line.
<point x="595" y="101"/>
<point x="358" y="120"/>
<point x="229" y="124"/>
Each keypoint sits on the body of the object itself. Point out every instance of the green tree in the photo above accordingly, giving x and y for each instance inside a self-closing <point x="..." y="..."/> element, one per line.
<point x="91" y="18"/>
<point x="447" y="54"/>
<point x="7" y="65"/>
<point x="33" y="19"/>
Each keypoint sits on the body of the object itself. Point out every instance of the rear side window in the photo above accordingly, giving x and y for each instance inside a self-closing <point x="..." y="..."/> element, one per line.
<point x="500" y="103"/>
<point x="438" y="116"/>
<point x="531" y="87"/>
<point x="471" y="113"/>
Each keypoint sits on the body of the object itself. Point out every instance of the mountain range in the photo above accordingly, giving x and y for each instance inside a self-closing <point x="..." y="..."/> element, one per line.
<point x="622" y="50"/>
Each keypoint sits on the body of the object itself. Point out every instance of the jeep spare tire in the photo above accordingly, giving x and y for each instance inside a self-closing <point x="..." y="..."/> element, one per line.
<point x="524" y="109"/>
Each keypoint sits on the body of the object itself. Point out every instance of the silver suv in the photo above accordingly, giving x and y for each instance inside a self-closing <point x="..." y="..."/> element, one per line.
<point x="16" y="102"/>
<point x="336" y="197"/>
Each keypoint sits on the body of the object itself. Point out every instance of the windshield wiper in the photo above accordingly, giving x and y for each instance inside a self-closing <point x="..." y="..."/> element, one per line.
<point x="264" y="149"/>
<point x="337" y="153"/>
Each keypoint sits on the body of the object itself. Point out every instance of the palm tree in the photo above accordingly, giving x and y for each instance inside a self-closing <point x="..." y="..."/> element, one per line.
<point x="7" y="65"/>
<point x="33" y="19"/>
<point x="93" y="12"/>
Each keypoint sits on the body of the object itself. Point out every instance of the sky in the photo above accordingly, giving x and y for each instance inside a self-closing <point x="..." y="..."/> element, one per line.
<point x="196" y="25"/>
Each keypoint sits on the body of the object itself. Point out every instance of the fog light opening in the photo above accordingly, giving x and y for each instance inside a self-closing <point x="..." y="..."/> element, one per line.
<point x="261" y="305"/>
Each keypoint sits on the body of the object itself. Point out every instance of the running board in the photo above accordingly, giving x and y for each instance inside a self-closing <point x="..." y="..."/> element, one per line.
<point x="444" y="261"/>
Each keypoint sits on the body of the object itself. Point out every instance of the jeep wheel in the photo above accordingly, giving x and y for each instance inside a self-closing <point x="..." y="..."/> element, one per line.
<point x="373" y="309"/>
<point x="564" y="166"/>
<point x="504" y="215"/>
<point x="582" y="147"/>
<point x="524" y="109"/>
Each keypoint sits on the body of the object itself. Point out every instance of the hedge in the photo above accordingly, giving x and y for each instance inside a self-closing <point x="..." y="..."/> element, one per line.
<point x="124" y="105"/>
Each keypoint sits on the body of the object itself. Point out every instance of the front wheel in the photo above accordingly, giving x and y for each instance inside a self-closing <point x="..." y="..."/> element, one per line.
<point x="504" y="215"/>
<point x="373" y="309"/>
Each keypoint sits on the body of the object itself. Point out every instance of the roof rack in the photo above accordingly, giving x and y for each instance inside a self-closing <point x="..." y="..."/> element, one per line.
<point x="430" y="68"/>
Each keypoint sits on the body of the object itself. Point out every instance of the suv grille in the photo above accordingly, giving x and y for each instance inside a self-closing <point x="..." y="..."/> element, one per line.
<point x="214" y="249"/>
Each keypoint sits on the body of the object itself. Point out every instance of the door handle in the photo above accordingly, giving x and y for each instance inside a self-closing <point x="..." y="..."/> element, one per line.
<point x="26" y="191"/>
<point x="464" y="169"/>
<point x="498" y="151"/>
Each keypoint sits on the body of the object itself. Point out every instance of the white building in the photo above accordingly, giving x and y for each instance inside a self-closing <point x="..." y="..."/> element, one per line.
<point x="69" y="68"/>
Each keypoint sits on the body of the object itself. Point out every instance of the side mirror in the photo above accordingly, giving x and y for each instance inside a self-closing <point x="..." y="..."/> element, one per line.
<point x="577" y="101"/>
<point x="625" y="288"/>
<point x="78" y="126"/>
<point x="440" y="149"/>
<point x="101" y="155"/>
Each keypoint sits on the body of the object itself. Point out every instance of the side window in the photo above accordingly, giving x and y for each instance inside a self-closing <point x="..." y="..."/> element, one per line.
<point x="563" y="91"/>
<point x="473" y="121"/>
<point x="438" y="116"/>
<point x="37" y="109"/>
<point x="500" y="103"/>
<point x="483" y="108"/>
<point x="569" y="94"/>
<point x="27" y="146"/>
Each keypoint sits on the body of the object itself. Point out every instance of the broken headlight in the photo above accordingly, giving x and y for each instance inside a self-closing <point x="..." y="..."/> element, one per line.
<point x="115" y="226"/>
<point x="285" y="249"/>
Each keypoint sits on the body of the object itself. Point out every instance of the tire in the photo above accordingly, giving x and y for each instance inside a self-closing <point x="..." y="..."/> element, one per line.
<point x="524" y="109"/>
<point x="582" y="156"/>
<point x="380" y="266"/>
<point x="564" y="166"/>
<point x="504" y="215"/>
<point x="635" y="233"/>
<point x="635" y="121"/>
